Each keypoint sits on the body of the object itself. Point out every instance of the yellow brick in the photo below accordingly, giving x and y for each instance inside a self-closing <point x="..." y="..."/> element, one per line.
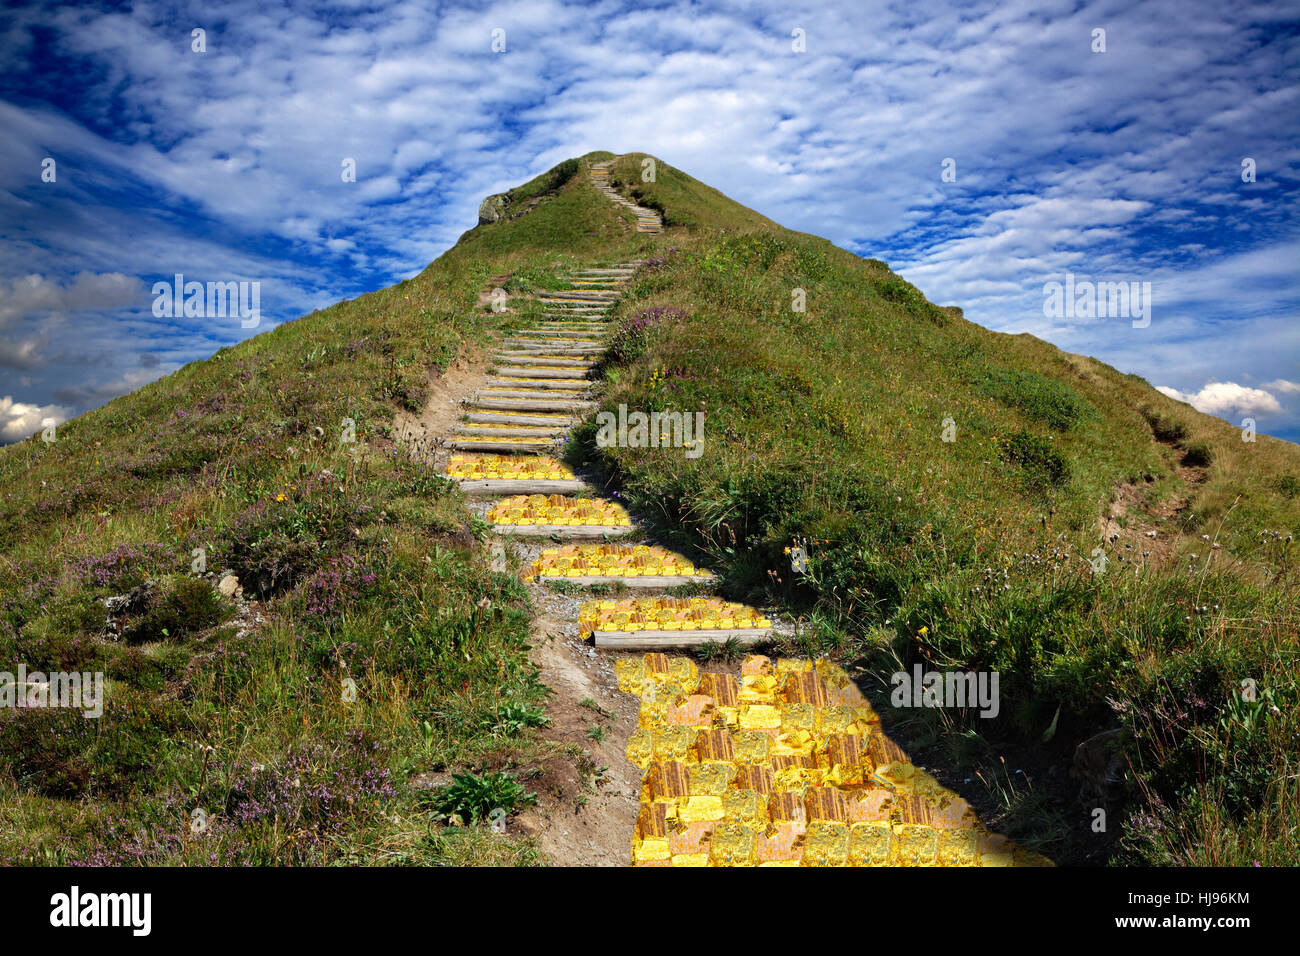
<point x="655" y="848"/>
<point x="826" y="844"/>
<point x="751" y="746"/>
<point x="691" y="859"/>
<point x="631" y="674"/>
<point x="791" y="665"/>
<point x="958" y="848"/>
<point x="793" y="743"/>
<point x="733" y="845"/>
<point x="695" y="809"/>
<point x="797" y="777"/>
<point x="651" y="715"/>
<point x="674" y="743"/>
<point x="917" y="845"/>
<point x="711" y="779"/>
<point x="757" y="689"/>
<point x="798" y="717"/>
<point x="759" y="717"/>
<point x="746" y="807"/>
<point x="728" y="717"/>
<point x="871" y="843"/>
<point x="840" y="775"/>
<point x="684" y="671"/>
<point x="835" y="719"/>
<point x="640" y="747"/>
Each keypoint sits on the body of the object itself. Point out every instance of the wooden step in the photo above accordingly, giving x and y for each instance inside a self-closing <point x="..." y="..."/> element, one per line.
<point x="558" y="333"/>
<point x="522" y="382"/>
<point x="520" y="418"/>
<point x="550" y="348"/>
<point x="534" y="360"/>
<point x="643" y="582"/>
<point x="521" y="447"/>
<point x="507" y="431"/>
<point x="522" y="371"/>
<point x="569" y="532"/>
<point x="504" y="486"/>
<point x="541" y="394"/>
<point x="656" y="640"/>
<point x="532" y="405"/>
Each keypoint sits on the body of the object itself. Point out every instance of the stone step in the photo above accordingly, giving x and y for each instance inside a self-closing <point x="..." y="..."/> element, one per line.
<point x="559" y="516"/>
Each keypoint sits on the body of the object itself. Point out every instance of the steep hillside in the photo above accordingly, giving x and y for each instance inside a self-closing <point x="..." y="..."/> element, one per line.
<point x="950" y="486"/>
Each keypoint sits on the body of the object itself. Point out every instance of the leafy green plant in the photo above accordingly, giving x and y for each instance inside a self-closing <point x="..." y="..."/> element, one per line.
<point x="473" y="796"/>
<point x="729" y="650"/>
<point x="513" y="718"/>
<point x="184" y="606"/>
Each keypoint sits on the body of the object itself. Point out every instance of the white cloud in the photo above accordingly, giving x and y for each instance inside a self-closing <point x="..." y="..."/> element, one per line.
<point x="86" y="290"/>
<point x="19" y="420"/>
<point x="1282" y="385"/>
<point x="1218" y="398"/>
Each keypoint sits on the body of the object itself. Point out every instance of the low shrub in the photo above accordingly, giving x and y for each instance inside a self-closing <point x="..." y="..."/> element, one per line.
<point x="1198" y="455"/>
<point x="1040" y="462"/>
<point x="1047" y="400"/>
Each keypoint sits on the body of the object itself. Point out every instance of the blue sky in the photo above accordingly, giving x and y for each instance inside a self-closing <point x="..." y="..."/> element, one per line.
<point x="224" y="165"/>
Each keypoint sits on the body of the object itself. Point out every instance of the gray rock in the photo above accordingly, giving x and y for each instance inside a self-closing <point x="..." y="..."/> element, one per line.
<point x="493" y="208"/>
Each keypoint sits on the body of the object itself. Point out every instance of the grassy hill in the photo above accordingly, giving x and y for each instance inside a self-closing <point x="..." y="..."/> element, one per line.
<point x="829" y="386"/>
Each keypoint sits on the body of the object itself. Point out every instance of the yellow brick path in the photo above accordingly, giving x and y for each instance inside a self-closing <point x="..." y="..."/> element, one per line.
<point x="785" y="766"/>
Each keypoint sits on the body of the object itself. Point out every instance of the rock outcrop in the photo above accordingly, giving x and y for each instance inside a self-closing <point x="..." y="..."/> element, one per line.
<point x="493" y="208"/>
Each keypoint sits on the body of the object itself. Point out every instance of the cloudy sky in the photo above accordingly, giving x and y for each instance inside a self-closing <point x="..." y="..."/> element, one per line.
<point x="982" y="149"/>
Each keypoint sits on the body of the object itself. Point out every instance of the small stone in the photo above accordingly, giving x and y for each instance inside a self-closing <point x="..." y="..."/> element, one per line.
<point x="230" y="588"/>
